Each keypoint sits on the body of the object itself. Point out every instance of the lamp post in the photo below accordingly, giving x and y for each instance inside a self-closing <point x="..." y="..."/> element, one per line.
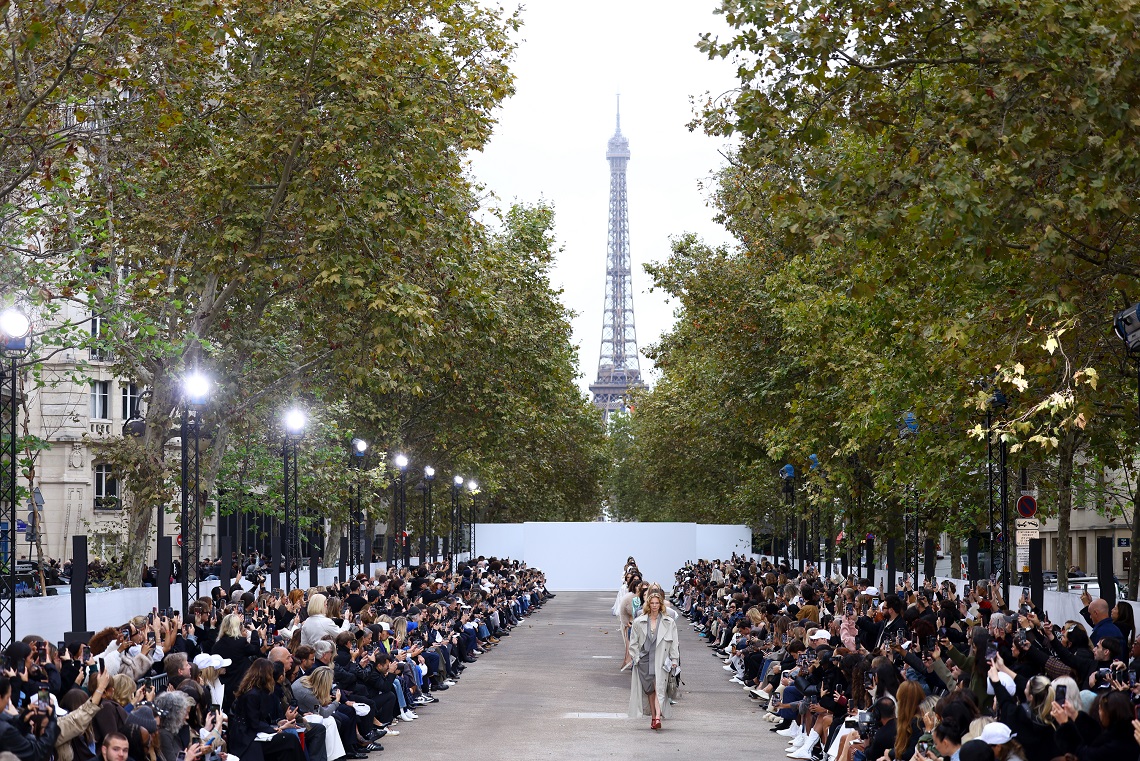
<point x="456" y="485"/>
<point x="355" y="513"/>
<point x="473" y="487"/>
<point x="294" y="425"/>
<point x="1126" y="326"/>
<point x="426" y="539"/>
<point x="195" y="390"/>
<point x="999" y="532"/>
<point x="404" y="552"/>
<point x="15" y="342"/>
<point x="788" y="474"/>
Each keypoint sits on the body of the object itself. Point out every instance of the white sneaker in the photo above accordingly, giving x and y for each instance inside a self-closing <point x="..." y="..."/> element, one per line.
<point x="736" y="680"/>
<point x="726" y="667"/>
<point x="791" y="731"/>
<point x="449" y="683"/>
<point x="797" y="742"/>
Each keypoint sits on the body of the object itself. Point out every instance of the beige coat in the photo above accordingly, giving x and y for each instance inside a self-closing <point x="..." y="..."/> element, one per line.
<point x="73" y="725"/>
<point x="668" y="646"/>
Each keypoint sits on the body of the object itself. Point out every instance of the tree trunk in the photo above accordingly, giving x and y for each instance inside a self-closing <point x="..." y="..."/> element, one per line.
<point x="332" y="541"/>
<point x="1066" y="453"/>
<point x="163" y="399"/>
<point x="955" y="557"/>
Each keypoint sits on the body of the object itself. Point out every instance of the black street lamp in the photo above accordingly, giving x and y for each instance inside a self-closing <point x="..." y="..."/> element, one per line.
<point x="403" y="550"/>
<point x="15" y="342"/>
<point x="473" y="487"/>
<point x="355" y="511"/>
<point x="788" y="474"/>
<point x="1127" y="329"/>
<point x="195" y="389"/>
<point x="426" y="538"/>
<point x="294" y="424"/>
<point x="999" y="532"/>
<point x="456" y="485"/>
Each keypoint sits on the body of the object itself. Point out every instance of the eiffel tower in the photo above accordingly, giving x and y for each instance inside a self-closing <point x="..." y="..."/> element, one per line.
<point x="618" y="367"/>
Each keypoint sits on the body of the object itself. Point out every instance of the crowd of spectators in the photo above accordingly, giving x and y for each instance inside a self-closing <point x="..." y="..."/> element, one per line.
<point x="259" y="674"/>
<point x="847" y="672"/>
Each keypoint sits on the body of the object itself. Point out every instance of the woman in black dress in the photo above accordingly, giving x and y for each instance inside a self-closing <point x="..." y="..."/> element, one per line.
<point x="256" y="710"/>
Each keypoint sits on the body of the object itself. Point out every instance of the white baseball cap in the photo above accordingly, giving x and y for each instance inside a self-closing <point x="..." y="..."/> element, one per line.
<point x="820" y="634"/>
<point x="996" y="733"/>
<point x="207" y="660"/>
<point x="872" y="591"/>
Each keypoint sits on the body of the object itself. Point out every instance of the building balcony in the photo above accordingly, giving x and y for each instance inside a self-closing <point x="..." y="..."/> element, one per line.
<point x="108" y="504"/>
<point x="102" y="429"/>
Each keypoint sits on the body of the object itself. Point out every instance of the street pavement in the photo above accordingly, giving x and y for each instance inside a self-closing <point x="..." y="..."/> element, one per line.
<point x="553" y="690"/>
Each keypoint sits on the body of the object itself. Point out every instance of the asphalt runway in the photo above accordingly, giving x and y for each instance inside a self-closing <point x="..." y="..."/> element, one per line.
<point x="553" y="690"/>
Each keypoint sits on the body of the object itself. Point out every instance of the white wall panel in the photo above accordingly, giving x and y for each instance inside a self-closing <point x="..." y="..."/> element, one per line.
<point x="508" y="539"/>
<point x="591" y="556"/>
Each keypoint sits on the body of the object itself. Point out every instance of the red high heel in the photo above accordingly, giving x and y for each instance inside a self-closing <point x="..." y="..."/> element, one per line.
<point x="655" y="724"/>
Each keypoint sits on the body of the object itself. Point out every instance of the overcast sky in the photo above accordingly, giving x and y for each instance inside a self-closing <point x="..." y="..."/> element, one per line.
<point x="573" y="59"/>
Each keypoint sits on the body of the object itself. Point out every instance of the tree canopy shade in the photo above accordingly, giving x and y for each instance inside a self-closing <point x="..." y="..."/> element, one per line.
<point x="275" y="193"/>
<point x="933" y="202"/>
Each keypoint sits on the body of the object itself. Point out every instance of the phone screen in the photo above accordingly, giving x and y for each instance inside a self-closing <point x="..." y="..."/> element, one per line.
<point x="1060" y="693"/>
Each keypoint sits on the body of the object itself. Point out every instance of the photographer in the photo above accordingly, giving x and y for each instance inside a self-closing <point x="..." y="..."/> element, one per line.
<point x="1107" y="737"/>
<point x="877" y="734"/>
<point x="30" y="735"/>
<point x="25" y="673"/>
<point x="241" y="645"/>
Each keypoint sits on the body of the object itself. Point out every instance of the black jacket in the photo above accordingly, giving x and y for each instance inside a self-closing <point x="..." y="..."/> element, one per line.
<point x="242" y="653"/>
<point x="27" y="747"/>
<point x="884" y="739"/>
<point x="1090" y="742"/>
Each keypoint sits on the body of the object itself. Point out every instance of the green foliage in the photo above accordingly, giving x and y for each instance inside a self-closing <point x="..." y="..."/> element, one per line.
<point x="275" y="193"/>
<point x="932" y="202"/>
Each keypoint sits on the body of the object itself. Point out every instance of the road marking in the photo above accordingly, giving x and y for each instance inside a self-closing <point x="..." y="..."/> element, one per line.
<point x="602" y="656"/>
<point x="594" y="716"/>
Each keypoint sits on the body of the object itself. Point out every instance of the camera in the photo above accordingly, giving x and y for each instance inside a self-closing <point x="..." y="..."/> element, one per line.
<point x="867" y="723"/>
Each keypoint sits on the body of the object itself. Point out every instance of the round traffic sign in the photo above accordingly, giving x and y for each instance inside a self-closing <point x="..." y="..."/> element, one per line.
<point x="1027" y="506"/>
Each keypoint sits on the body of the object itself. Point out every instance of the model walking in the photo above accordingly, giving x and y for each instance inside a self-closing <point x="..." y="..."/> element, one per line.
<point x="654" y="648"/>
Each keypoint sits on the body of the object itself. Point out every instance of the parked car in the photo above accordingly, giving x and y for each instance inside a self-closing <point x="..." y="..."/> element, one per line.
<point x="1090" y="584"/>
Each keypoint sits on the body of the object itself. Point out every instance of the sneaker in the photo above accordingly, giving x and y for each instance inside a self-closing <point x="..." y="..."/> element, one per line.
<point x="736" y="680"/>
